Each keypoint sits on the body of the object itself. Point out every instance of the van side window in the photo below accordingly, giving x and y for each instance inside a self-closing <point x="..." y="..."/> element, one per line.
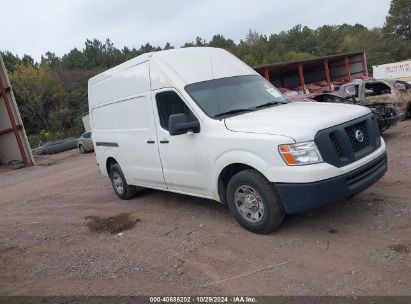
<point x="169" y="103"/>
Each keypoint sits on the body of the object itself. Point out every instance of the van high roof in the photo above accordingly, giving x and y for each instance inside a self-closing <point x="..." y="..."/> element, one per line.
<point x="179" y="67"/>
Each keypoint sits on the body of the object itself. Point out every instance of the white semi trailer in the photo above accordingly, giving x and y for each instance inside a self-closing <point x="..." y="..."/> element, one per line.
<point x="396" y="70"/>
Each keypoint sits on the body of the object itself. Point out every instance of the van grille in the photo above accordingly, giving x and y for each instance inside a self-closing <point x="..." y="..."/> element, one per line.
<point x="351" y="132"/>
<point x="346" y="143"/>
<point x="336" y="145"/>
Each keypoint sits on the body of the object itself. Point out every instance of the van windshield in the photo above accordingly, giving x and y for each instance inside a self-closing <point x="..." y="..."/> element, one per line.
<point x="227" y="96"/>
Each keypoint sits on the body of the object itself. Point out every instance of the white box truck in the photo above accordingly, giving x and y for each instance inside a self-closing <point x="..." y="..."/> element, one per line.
<point x="199" y="121"/>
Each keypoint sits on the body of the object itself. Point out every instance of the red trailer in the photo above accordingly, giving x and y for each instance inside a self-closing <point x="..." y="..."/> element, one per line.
<point x="316" y="75"/>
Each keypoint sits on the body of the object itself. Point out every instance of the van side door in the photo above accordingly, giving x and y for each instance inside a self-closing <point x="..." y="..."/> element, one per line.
<point x="184" y="157"/>
<point x="138" y="143"/>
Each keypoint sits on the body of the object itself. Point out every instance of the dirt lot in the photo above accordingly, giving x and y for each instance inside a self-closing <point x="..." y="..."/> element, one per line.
<point x="53" y="242"/>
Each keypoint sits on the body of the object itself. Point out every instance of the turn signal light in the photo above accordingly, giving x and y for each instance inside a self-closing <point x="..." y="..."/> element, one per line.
<point x="287" y="156"/>
<point x="298" y="154"/>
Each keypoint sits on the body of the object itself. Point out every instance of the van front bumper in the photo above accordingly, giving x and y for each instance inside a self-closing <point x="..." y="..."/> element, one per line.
<point x="299" y="197"/>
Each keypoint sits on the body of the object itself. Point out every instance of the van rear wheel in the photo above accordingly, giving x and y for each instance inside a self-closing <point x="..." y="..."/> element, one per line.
<point x="120" y="185"/>
<point x="253" y="202"/>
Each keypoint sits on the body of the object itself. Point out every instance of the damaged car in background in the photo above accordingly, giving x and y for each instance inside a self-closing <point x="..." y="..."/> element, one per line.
<point x="389" y="100"/>
<point x="341" y="78"/>
<point x="385" y="92"/>
<point x="387" y="109"/>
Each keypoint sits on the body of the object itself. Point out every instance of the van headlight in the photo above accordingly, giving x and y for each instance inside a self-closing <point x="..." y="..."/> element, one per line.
<point x="298" y="154"/>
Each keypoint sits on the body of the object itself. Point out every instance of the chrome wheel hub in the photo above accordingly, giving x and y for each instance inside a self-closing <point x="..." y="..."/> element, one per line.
<point x="249" y="204"/>
<point x="118" y="183"/>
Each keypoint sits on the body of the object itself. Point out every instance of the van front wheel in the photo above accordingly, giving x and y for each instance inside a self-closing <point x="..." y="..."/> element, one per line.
<point x="120" y="186"/>
<point x="253" y="202"/>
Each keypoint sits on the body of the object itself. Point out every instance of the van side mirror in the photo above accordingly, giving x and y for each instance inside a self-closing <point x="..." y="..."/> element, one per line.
<point x="177" y="125"/>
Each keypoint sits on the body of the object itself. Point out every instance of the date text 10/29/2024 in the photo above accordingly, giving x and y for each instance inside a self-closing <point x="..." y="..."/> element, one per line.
<point x="203" y="299"/>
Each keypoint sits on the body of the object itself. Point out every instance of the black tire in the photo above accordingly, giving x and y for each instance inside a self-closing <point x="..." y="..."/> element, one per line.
<point x="273" y="214"/>
<point x="116" y="174"/>
<point x="82" y="149"/>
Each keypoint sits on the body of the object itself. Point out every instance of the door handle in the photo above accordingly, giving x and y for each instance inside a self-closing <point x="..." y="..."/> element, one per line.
<point x="150" y="141"/>
<point x="164" y="141"/>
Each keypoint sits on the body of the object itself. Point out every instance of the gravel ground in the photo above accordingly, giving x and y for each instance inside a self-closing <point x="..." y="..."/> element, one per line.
<point x="182" y="245"/>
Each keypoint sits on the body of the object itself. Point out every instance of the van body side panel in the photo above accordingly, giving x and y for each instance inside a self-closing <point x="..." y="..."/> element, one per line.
<point x="123" y="125"/>
<point x="128" y="82"/>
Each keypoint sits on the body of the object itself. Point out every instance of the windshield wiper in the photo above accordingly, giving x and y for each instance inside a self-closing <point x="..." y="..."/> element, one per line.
<point x="273" y="103"/>
<point x="234" y="112"/>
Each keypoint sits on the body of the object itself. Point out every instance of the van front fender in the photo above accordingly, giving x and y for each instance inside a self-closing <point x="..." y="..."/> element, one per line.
<point x="241" y="157"/>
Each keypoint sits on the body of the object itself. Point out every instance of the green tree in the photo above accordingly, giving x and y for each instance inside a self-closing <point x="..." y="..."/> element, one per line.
<point x="127" y="53"/>
<point x="39" y="94"/>
<point x="329" y="40"/>
<point x="94" y="54"/>
<point x="28" y="60"/>
<point x="250" y="60"/>
<point x="51" y="99"/>
<point x="200" y="41"/>
<point x="299" y="39"/>
<point x="188" y="44"/>
<point x="398" y="20"/>
<point x="219" y="41"/>
<point x="147" y="48"/>
<point x="26" y="86"/>
<point x="254" y="48"/>
<point x="111" y="55"/>
<point x="75" y="59"/>
<point x="50" y="59"/>
<point x="168" y="46"/>
<point x="10" y="60"/>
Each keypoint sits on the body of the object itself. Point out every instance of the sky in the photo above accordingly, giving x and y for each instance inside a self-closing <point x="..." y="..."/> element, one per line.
<point x="35" y="27"/>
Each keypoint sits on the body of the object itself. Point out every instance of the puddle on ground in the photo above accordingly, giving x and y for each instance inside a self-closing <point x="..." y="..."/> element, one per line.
<point x="333" y="231"/>
<point x="400" y="248"/>
<point x="113" y="224"/>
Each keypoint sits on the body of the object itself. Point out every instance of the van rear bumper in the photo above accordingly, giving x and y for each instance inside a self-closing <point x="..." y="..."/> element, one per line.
<point x="299" y="197"/>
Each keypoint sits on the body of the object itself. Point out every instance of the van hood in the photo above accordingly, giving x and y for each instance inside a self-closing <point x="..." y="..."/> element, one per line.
<point x="298" y="120"/>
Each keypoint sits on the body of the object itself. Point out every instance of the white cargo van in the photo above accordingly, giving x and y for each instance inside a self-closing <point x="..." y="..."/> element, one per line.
<point x="199" y="121"/>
